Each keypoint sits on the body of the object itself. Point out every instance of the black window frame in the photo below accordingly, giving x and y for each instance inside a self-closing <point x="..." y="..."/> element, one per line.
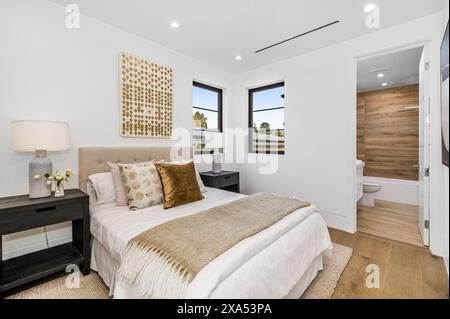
<point x="250" y="117"/>
<point x="219" y="111"/>
<point x="219" y="104"/>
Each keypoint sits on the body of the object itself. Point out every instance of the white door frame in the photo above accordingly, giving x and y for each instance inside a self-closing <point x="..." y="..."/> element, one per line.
<point x="426" y="43"/>
<point x="424" y="146"/>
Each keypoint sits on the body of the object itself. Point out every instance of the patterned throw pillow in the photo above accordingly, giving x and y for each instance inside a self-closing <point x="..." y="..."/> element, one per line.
<point x="142" y="185"/>
<point x="122" y="198"/>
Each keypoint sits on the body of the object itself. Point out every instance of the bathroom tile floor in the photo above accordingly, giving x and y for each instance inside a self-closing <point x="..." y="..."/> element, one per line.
<point x="393" y="221"/>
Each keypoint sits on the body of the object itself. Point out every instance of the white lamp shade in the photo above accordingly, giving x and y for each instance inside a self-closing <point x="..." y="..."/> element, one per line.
<point x="40" y="135"/>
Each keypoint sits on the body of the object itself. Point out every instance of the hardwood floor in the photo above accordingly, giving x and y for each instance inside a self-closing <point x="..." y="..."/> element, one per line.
<point x="391" y="220"/>
<point x="406" y="271"/>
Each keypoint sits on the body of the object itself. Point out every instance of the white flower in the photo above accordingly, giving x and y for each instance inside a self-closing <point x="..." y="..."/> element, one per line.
<point x="37" y="176"/>
<point x="60" y="176"/>
<point x="49" y="183"/>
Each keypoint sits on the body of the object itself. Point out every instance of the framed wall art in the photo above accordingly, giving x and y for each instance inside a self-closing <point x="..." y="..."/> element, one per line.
<point x="146" y="98"/>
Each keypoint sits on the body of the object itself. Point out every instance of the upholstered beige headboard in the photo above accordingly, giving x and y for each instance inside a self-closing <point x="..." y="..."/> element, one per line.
<point x="93" y="159"/>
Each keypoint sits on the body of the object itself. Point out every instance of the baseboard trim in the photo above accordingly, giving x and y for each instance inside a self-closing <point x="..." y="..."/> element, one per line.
<point x="337" y="221"/>
<point x="13" y="253"/>
<point x="60" y="241"/>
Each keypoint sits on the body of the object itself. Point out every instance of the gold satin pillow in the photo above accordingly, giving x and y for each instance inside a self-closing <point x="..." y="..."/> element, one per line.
<point x="179" y="183"/>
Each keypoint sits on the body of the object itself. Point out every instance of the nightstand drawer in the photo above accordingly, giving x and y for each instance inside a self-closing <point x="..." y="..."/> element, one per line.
<point x="19" y="213"/>
<point x="225" y="180"/>
<point x="19" y="220"/>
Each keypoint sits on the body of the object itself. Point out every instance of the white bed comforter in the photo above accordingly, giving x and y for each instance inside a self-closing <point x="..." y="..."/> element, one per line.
<point x="266" y="265"/>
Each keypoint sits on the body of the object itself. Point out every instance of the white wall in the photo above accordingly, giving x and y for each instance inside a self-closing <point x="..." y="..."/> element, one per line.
<point x="50" y="72"/>
<point x="320" y="120"/>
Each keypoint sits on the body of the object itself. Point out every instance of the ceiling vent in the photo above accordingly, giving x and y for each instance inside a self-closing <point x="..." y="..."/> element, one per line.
<point x="384" y="71"/>
<point x="298" y="36"/>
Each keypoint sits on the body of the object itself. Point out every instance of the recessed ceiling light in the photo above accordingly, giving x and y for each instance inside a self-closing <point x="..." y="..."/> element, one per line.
<point x="380" y="75"/>
<point x="238" y="58"/>
<point x="369" y="8"/>
<point x="174" y="25"/>
<point x="384" y="84"/>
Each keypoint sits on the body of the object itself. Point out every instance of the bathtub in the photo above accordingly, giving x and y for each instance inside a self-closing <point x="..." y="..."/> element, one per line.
<point x="396" y="190"/>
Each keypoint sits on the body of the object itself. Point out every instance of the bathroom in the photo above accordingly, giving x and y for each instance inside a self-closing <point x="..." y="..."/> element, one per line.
<point x="392" y="146"/>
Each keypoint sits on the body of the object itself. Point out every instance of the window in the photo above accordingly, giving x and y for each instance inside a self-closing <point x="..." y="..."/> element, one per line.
<point x="207" y="114"/>
<point x="266" y="119"/>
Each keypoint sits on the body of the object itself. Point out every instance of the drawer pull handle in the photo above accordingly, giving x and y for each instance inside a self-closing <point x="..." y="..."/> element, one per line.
<point x="45" y="209"/>
<point x="227" y="177"/>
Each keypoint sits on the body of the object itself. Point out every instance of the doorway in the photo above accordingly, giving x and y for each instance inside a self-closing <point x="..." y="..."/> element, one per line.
<point x="393" y="146"/>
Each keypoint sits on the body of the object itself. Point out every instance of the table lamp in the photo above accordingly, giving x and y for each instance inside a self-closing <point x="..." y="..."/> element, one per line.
<point x="214" y="141"/>
<point x="40" y="137"/>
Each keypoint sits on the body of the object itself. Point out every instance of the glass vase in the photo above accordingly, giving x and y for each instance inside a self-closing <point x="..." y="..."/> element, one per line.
<point x="59" y="190"/>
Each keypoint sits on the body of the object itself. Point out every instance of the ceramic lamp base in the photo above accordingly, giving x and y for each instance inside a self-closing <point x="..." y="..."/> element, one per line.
<point x="217" y="163"/>
<point x="38" y="167"/>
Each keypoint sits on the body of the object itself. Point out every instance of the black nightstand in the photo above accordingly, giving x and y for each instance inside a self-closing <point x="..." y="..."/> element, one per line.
<point x="228" y="181"/>
<point x="21" y="213"/>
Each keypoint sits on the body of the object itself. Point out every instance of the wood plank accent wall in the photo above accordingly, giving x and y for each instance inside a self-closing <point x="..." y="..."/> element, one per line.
<point x="387" y="134"/>
<point x="360" y="126"/>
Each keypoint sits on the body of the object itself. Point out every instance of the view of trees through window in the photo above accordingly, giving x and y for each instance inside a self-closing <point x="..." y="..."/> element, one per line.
<point x="207" y="114"/>
<point x="266" y="119"/>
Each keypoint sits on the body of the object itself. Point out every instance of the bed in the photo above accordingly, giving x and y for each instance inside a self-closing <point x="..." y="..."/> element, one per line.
<point x="278" y="262"/>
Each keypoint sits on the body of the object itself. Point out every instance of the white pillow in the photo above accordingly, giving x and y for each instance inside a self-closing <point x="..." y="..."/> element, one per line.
<point x="105" y="190"/>
<point x="90" y="190"/>
<point x="200" y="182"/>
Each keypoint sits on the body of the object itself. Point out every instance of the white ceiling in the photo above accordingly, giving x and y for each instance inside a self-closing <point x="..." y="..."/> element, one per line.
<point x="215" y="31"/>
<point x="399" y="69"/>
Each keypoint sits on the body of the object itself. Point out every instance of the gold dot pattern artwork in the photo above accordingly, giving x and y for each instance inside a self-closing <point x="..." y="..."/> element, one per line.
<point x="146" y="98"/>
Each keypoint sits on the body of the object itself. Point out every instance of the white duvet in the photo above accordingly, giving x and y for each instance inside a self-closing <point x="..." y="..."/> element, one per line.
<point x="266" y="265"/>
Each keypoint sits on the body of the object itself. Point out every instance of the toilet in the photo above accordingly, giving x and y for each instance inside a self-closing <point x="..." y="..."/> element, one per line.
<point x="369" y="191"/>
<point x="365" y="191"/>
<point x="359" y="179"/>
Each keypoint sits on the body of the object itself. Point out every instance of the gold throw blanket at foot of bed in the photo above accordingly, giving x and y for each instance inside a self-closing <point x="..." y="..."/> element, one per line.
<point x="163" y="260"/>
